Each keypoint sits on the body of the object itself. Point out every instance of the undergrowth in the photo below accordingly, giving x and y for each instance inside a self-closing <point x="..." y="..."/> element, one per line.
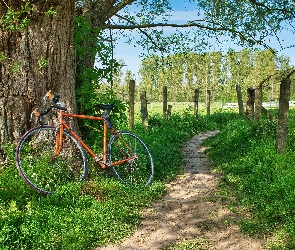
<point x="100" y="210"/>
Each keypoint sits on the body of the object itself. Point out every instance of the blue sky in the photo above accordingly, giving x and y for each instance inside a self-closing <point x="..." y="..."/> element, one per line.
<point x="184" y="11"/>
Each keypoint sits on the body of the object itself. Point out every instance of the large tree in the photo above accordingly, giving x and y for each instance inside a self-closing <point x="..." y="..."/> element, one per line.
<point x="37" y="52"/>
<point x="37" y="55"/>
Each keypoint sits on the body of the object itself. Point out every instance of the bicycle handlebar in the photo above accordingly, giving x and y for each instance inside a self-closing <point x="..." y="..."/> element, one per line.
<point x="54" y="104"/>
<point x="54" y="101"/>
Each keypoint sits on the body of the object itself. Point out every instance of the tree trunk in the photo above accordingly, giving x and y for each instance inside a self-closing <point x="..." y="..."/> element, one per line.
<point x="250" y="103"/>
<point x="208" y="101"/>
<point x="37" y="59"/>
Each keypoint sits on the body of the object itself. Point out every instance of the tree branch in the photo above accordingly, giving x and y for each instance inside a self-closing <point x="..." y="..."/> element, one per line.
<point x="142" y="31"/>
<point x="119" y="7"/>
<point x="190" y="25"/>
<point x="270" y="9"/>
<point x="5" y="4"/>
<point x="153" y="25"/>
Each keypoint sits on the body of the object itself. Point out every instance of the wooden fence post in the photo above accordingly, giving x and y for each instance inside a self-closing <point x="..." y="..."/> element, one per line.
<point x="144" y="110"/>
<point x="131" y="103"/>
<point x="169" y="111"/>
<point x="250" y="103"/>
<point x="258" y="103"/>
<point x="282" y="130"/>
<point x="196" y="102"/>
<point x="240" y="100"/>
<point x="208" y="101"/>
<point x="165" y="102"/>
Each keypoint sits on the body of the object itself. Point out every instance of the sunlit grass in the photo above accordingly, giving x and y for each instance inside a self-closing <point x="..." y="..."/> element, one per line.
<point x="99" y="210"/>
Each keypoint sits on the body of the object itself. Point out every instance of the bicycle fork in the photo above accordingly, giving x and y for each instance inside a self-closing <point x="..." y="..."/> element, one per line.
<point x="58" y="141"/>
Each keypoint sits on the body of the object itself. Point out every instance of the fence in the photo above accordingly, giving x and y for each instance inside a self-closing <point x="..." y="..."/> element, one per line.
<point x="254" y="106"/>
<point x="235" y="105"/>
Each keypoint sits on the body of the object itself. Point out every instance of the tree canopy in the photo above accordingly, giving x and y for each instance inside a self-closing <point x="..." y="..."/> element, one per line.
<point x="248" y="22"/>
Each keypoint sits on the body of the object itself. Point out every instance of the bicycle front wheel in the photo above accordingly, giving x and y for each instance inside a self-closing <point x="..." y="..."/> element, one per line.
<point x="41" y="168"/>
<point x="137" y="171"/>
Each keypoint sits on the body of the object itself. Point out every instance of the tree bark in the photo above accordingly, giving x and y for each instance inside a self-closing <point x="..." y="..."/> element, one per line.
<point x="37" y="59"/>
<point x="208" y="101"/>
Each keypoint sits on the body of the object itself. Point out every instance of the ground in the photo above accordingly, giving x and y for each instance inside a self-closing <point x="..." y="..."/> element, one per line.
<point x="191" y="209"/>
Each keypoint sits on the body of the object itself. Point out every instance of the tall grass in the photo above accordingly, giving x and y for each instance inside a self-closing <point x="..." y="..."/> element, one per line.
<point x="100" y="210"/>
<point x="262" y="180"/>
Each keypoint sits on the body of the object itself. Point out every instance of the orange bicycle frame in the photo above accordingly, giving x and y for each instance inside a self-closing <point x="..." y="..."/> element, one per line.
<point x="101" y="160"/>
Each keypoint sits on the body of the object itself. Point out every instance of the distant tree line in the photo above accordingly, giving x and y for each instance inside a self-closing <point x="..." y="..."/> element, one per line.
<point x="183" y="73"/>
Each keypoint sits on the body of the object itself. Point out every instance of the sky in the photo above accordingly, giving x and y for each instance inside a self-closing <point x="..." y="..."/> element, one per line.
<point x="184" y="11"/>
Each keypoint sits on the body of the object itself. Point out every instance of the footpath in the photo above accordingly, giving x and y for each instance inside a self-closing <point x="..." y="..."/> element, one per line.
<point x="191" y="209"/>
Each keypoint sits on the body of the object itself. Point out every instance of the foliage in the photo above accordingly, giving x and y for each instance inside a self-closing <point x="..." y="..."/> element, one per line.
<point x="184" y="72"/>
<point x="252" y="22"/>
<point x="246" y="23"/>
<point x="50" y="13"/>
<point x="261" y="179"/>
<point x="16" y="20"/>
<point x="98" y="50"/>
<point x="89" y="87"/>
<point x="100" y="210"/>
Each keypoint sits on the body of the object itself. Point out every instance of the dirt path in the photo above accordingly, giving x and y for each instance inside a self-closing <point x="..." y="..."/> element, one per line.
<point x="190" y="210"/>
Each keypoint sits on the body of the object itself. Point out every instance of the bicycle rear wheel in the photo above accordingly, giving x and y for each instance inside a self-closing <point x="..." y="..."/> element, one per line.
<point x="137" y="171"/>
<point x="39" y="167"/>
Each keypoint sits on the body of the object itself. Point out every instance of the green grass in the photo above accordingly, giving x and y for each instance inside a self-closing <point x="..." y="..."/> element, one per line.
<point x="262" y="180"/>
<point x="198" y="243"/>
<point x="100" y="210"/>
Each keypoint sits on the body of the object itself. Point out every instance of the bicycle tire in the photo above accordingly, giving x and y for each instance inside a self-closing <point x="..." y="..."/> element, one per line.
<point x="138" y="171"/>
<point x="38" y="166"/>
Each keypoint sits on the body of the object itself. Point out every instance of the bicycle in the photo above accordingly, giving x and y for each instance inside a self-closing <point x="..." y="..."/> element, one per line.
<point x="48" y="157"/>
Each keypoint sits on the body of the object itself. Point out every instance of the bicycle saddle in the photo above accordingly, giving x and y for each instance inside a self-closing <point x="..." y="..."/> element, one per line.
<point x="104" y="106"/>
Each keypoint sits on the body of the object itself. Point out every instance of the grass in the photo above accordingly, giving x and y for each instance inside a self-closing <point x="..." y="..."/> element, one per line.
<point x="191" y="244"/>
<point x="98" y="211"/>
<point x="101" y="211"/>
<point x="262" y="180"/>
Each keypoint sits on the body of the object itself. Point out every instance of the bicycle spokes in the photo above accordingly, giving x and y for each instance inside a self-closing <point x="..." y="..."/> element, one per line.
<point x="138" y="168"/>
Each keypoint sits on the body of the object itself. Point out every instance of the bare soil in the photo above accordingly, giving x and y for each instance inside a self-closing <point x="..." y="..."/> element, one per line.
<point x="191" y="209"/>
